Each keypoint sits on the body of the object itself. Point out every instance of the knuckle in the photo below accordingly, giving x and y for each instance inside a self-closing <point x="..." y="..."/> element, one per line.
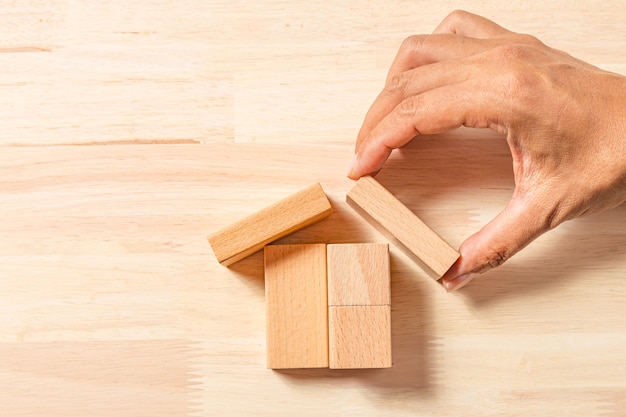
<point x="456" y="16"/>
<point x="408" y="44"/>
<point x="515" y="83"/>
<point x="396" y="85"/>
<point x="497" y="259"/>
<point x="494" y="260"/>
<point x="526" y="39"/>
<point x="413" y="43"/>
<point x="551" y="203"/>
<point x="408" y="107"/>
<point x="556" y="213"/>
<point x="512" y="52"/>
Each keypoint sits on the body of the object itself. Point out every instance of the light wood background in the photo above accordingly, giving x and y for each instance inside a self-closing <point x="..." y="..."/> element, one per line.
<point x="129" y="130"/>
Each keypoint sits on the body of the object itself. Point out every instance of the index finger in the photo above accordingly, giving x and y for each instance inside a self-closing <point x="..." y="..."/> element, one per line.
<point x="419" y="51"/>
<point x="435" y="111"/>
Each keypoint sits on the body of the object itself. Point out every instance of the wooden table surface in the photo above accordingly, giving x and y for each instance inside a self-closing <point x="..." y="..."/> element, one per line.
<point x="129" y="130"/>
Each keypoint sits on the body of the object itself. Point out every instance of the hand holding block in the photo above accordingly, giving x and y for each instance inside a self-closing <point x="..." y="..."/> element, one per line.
<point x="297" y="306"/>
<point x="401" y="225"/>
<point x="250" y="234"/>
<point x="359" y="300"/>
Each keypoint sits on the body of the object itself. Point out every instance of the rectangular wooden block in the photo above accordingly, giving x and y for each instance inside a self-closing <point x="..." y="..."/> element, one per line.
<point x="359" y="337"/>
<point x="250" y="234"/>
<point x="297" y="306"/>
<point x="401" y="225"/>
<point x="358" y="274"/>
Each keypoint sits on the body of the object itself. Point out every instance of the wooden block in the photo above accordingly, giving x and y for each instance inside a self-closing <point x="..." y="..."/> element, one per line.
<point x="297" y="306"/>
<point x="359" y="337"/>
<point x="401" y="225"/>
<point x="358" y="274"/>
<point x="359" y="299"/>
<point x="250" y="234"/>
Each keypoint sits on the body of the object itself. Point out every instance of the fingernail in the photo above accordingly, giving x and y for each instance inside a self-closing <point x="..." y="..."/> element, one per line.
<point x="458" y="282"/>
<point x="352" y="166"/>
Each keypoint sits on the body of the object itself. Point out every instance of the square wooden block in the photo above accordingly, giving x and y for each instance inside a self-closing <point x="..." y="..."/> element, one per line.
<point x="358" y="274"/>
<point x="359" y="337"/>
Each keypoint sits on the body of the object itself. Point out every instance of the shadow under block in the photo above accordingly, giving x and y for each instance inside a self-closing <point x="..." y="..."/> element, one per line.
<point x="297" y="306"/>
<point x="359" y="300"/>
<point x="401" y="225"/>
<point x="250" y="234"/>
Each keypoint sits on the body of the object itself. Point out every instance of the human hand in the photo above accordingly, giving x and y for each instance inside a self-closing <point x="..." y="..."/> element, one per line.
<point x="564" y="121"/>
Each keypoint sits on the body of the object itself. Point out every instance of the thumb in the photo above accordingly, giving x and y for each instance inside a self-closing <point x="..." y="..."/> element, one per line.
<point x="509" y="232"/>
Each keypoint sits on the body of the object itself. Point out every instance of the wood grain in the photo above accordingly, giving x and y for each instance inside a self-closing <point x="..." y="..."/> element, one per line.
<point x="250" y="234"/>
<point x="297" y="302"/>
<point x="359" y="336"/>
<point x="129" y="130"/>
<point x="402" y="225"/>
<point x="359" y="302"/>
<point x="358" y="274"/>
<point x="99" y="378"/>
